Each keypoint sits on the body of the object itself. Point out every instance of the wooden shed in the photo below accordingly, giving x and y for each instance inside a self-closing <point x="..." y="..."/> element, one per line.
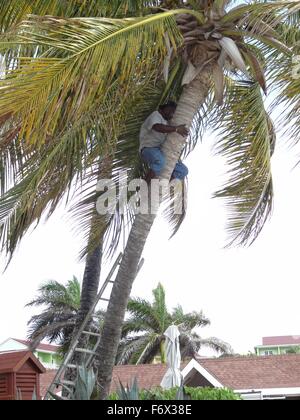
<point x="19" y="375"/>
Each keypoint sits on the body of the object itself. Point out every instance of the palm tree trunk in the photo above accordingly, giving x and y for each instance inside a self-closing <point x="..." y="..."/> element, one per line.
<point x="162" y="352"/>
<point x="90" y="283"/>
<point x="91" y="276"/>
<point x="192" y="97"/>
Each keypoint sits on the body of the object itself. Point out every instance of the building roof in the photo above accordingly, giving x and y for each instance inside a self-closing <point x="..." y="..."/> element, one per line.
<point x="13" y="361"/>
<point x="280" y="340"/>
<point x="255" y="372"/>
<point x="148" y="376"/>
<point x="45" y="380"/>
<point x="41" y="346"/>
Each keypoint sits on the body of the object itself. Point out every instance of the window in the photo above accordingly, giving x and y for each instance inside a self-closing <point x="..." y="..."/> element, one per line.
<point x="268" y="353"/>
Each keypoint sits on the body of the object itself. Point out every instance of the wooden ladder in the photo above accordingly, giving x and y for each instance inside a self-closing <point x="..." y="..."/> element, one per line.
<point x="89" y="352"/>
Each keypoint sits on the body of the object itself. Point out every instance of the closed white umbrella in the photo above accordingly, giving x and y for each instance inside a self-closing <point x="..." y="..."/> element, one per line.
<point x="173" y="376"/>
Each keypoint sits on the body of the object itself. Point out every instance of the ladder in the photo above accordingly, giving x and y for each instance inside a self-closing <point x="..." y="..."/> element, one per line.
<point x="83" y="332"/>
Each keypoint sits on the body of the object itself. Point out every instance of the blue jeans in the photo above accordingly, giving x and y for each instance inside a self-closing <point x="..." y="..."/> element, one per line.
<point x="155" y="158"/>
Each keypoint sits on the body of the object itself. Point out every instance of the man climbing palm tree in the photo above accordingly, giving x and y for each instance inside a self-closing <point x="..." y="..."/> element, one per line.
<point x="152" y="136"/>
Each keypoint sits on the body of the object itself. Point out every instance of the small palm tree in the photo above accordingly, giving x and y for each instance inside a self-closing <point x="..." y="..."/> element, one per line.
<point x="143" y="333"/>
<point x="57" y="321"/>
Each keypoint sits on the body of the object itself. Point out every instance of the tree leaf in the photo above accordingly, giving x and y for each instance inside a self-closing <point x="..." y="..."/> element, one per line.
<point x="256" y="67"/>
<point x="232" y="50"/>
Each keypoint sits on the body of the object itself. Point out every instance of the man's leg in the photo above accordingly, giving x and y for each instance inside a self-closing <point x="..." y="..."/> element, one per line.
<point x="180" y="171"/>
<point x="154" y="157"/>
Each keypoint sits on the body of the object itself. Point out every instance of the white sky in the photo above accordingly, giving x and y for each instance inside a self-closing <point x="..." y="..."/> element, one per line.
<point x="247" y="293"/>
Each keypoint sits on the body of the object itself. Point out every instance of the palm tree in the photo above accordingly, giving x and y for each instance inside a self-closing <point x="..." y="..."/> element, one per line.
<point x="57" y="320"/>
<point x="11" y="14"/>
<point x="71" y="100"/>
<point x="249" y="38"/>
<point x="61" y="304"/>
<point x="53" y="159"/>
<point x="143" y="332"/>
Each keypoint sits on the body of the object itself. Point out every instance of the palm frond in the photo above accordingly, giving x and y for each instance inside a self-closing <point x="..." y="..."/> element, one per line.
<point x="36" y="90"/>
<point x="142" y="310"/>
<point x="12" y="156"/>
<point x="270" y="12"/>
<point x="189" y="320"/>
<point x="52" y="331"/>
<point x="216" y="344"/>
<point x="247" y="139"/>
<point x="175" y="205"/>
<point x="150" y="350"/>
<point x="50" y="172"/>
<point x="134" y="325"/>
<point x="54" y="294"/>
<point x="285" y="78"/>
<point x="129" y="348"/>
<point x="189" y="344"/>
<point x="160" y="308"/>
<point x="14" y="11"/>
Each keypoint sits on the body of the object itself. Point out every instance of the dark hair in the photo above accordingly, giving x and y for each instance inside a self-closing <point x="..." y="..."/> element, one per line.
<point x="169" y="104"/>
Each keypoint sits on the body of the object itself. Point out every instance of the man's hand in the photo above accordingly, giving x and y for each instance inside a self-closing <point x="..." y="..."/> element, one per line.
<point x="182" y="130"/>
<point x="166" y="129"/>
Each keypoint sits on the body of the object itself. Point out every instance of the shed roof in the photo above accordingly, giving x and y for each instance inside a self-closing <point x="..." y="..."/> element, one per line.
<point x="13" y="361"/>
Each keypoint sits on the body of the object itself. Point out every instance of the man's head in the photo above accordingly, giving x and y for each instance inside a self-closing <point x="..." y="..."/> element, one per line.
<point x="168" y="110"/>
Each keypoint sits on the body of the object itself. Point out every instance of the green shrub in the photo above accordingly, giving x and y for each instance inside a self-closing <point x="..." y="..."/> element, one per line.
<point x="190" y="393"/>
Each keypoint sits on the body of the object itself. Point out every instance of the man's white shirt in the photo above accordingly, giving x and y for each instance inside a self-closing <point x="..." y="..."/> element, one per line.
<point x="150" y="137"/>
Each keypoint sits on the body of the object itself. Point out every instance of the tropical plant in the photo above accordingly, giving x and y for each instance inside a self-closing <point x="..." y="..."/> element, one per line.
<point x="131" y="392"/>
<point x="19" y="396"/>
<point x="143" y="331"/>
<point x="66" y="100"/>
<point x="84" y="388"/>
<point x="58" y="318"/>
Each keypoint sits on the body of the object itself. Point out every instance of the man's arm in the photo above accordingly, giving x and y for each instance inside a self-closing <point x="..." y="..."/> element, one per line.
<point x="166" y="129"/>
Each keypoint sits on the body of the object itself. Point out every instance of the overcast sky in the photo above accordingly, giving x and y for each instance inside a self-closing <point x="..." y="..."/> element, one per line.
<point x="246" y="293"/>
